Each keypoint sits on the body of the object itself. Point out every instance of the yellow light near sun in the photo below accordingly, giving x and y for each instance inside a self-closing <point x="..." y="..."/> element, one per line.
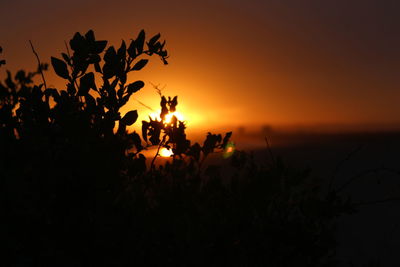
<point x="168" y="117"/>
<point x="178" y="115"/>
<point x="164" y="152"/>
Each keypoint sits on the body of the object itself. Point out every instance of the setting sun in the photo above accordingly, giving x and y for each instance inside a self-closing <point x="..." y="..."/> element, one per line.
<point x="168" y="117"/>
<point x="178" y="115"/>
<point x="250" y="133"/>
<point x="164" y="152"/>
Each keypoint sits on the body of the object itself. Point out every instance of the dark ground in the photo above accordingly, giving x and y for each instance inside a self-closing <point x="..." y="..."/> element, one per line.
<point x="373" y="233"/>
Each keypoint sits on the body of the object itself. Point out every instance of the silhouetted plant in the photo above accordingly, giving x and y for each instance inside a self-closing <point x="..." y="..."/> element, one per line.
<point x="74" y="188"/>
<point x="2" y="61"/>
<point x="170" y="134"/>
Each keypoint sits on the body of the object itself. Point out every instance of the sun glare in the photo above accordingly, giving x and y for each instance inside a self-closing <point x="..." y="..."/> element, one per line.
<point x="164" y="152"/>
<point x="178" y="115"/>
<point x="168" y="117"/>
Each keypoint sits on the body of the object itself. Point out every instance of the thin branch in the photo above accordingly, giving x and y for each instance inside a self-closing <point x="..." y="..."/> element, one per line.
<point x="40" y="64"/>
<point x="158" y="89"/>
<point x="66" y="46"/>
<point x="269" y="150"/>
<point x="380" y="201"/>
<point x="341" y="163"/>
<point x="202" y="161"/>
<point x="72" y="70"/>
<point x="144" y="105"/>
<point x="158" y="150"/>
<point x="366" y="172"/>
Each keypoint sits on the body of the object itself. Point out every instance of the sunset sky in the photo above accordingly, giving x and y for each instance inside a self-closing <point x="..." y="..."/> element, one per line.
<point x="236" y="62"/>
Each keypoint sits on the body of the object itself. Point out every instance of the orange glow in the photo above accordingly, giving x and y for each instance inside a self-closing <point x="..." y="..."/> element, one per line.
<point x="164" y="152"/>
<point x="284" y="79"/>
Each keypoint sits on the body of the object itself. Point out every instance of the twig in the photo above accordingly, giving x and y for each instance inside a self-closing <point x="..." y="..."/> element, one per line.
<point x="69" y="56"/>
<point x="158" y="150"/>
<point x="341" y="163"/>
<point x="40" y="65"/>
<point x="159" y="90"/>
<point x="144" y="105"/>
<point x="202" y="161"/>
<point x="66" y="46"/>
<point x="361" y="174"/>
<point x="362" y="203"/>
<point x="72" y="70"/>
<point x="269" y="150"/>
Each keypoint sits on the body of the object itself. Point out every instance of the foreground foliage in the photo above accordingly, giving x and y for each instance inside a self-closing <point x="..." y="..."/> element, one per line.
<point x="76" y="190"/>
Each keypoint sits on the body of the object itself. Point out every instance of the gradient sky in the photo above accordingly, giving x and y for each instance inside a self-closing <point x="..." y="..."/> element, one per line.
<point x="237" y="62"/>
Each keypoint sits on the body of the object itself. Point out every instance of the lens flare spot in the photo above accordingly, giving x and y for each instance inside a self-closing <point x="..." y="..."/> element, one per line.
<point x="229" y="150"/>
<point x="165" y="152"/>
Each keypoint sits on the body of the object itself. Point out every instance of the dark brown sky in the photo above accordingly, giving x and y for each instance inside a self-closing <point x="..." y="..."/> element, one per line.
<point x="238" y="61"/>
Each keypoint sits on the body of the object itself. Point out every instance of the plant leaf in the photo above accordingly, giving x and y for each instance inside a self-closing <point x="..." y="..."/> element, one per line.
<point x="145" y="127"/>
<point x="139" y="65"/>
<point x="140" y="41"/>
<point x="226" y="139"/>
<point x="110" y="55"/>
<point x="99" y="46"/>
<point x="60" y="67"/>
<point x="132" y="50"/>
<point x="130" y="117"/>
<point x="86" y="82"/>
<point x="135" y="86"/>
<point x="154" y="39"/>
<point x="90" y="36"/>
<point x="77" y="42"/>
<point x="136" y="141"/>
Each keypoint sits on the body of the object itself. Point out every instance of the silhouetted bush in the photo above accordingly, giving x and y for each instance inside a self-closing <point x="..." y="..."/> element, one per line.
<point x="76" y="190"/>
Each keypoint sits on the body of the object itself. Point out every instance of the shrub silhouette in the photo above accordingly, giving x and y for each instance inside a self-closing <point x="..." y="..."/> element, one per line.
<point x="75" y="191"/>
